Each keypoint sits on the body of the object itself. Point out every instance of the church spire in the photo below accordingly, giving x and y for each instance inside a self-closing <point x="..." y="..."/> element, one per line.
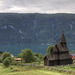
<point x="63" y="40"/>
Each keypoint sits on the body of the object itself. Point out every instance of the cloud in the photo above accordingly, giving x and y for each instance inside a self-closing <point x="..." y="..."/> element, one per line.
<point x="39" y="6"/>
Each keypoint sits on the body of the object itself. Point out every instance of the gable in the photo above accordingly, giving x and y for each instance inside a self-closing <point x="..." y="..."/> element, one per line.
<point x="61" y="49"/>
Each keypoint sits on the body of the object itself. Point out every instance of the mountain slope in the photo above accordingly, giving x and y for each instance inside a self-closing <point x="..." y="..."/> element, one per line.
<point x="36" y="28"/>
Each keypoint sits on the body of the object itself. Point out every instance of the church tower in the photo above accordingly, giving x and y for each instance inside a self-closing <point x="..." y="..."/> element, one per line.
<point x="63" y="41"/>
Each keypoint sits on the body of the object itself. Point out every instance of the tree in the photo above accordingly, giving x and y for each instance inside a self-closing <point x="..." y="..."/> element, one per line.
<point x="6" y="62"/>
<point x="72" y="52"/>
<point x="20" y="55"/>
<point x="36" y="54"/>
<point x="14" y="62"/>
<point x="1" y="52"/>
<point x="0" y="60"/>
<point x="28" y="55"/>
<point x="40" y="57"/>
<point x="5" y="55"/>
<point x="10" y="59"/>
<point x="49" y="49"/>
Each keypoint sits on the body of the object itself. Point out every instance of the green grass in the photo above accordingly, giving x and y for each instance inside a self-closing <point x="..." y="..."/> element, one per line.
<point x="70" y="68"/>
<point x="27" y="70"/>
<point x="42" y="63"/>
<point x="34" y="72"/>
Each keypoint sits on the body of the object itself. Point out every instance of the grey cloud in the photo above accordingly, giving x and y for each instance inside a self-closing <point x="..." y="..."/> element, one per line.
<point x="41" y="6"/>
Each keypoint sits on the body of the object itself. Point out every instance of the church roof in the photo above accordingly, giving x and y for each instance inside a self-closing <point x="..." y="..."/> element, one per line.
<point x="60" y="48"/>
<point x="63" y="40"/>
<point x="54" y="49"/>
<point x="49" y="57"/>
<point x="57" y="57"/>
<point x="64" y="56"/>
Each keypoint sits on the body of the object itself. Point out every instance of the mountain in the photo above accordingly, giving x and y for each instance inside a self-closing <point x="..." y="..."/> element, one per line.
<point x="36" y="28"/>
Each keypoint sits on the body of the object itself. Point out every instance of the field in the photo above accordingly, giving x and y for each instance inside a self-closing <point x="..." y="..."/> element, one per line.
<point x="28" y="70"/>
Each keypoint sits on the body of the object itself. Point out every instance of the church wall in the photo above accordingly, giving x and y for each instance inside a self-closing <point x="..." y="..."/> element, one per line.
<point x="56" y="62"/>
<point x="51" y="63"/>
<point x="46" y="62"/>
<point x="66" y="61"/>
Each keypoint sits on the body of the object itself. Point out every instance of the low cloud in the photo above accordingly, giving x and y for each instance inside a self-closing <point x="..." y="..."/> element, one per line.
<point x="39" y="6"/>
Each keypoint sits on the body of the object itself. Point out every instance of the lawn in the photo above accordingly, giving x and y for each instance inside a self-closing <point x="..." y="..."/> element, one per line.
<point x="32" y="72"/>
<point x="66" y="67"/>
<point x="27" y="70"/>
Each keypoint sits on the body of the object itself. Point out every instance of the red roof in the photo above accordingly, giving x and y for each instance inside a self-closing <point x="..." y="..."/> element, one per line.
<point x="73" y="56"/>
<point x="18" y="59"/>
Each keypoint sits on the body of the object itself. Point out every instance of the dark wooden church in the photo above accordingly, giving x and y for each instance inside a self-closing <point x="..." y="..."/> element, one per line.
<point x="59" y="54"/>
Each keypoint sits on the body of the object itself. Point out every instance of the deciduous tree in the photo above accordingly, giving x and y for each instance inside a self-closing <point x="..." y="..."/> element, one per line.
<point x="28" y="55"/>
<point x="5" y="55"/>
<point x="49" y="49"/>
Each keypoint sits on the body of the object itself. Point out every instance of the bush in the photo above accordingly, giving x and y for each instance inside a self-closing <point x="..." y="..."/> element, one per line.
<point x="6" y="62"/>
<point x="72" y="52"/>
<point x="20" y="55"/>
<point x="40" y="57"/>
<point x="10" y="59"/>
<point x="14" y="62"/>
<point x="1" y="52"/>
<point x="0" y="60"/>
<point x="28" y="55"/>
<point x="5" y="55"/>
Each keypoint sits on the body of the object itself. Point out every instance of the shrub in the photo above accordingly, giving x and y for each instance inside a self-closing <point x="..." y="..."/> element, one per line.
<point x="28" y="55"/>
<point x="6" y="62"/>
<point x="10" y="59"/>
<point x="0" y="60"/>
<point x="14" y="62"/>
<point x="40" y="57"/>
<point x="5" y="55"/>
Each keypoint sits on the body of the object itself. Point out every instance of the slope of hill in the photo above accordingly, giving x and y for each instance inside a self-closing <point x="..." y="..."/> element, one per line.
<point x="36" y="28"/>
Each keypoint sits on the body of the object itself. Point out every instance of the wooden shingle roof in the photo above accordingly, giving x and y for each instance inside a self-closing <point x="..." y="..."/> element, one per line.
<point x="60" y="48"/>
<point x="52" y="57"/>
<point x="58" y="57"/>
<point x="49" y="57"/>
<point x="64" y="56"/>
<point x="54" y="49"/>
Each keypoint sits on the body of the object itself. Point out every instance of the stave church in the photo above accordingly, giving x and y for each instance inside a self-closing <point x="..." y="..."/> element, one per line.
<point x="59" y="54"/>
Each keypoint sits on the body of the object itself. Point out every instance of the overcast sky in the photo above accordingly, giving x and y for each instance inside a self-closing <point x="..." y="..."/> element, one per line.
<point x="37" y="6"/>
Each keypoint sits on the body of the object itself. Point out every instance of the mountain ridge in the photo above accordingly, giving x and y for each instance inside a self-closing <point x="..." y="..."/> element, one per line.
<point x="35" y="28"/>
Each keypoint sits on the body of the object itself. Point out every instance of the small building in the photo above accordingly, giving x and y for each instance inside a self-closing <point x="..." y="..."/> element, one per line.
<point x="59" y="54"/>
<point x="18" y="59"/>
<point x="73" y="56"/>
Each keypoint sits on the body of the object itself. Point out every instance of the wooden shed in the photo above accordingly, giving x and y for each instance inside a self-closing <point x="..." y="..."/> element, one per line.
<point x="59" y="54"/>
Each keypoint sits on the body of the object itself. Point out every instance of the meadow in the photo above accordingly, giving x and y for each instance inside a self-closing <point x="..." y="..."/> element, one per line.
<point x="33" y="70"/>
